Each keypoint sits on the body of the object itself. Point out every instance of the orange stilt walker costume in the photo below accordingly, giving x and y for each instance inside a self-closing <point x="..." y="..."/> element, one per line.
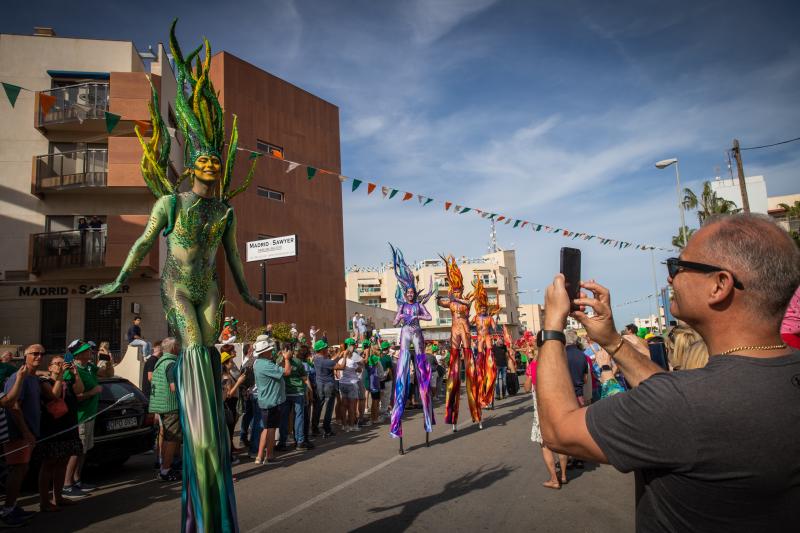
<point x="484" y="323"/>
<point x="460" y="346"/>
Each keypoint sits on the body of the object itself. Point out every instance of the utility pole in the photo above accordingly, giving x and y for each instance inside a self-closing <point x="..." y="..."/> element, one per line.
<point x="737" y="153"/>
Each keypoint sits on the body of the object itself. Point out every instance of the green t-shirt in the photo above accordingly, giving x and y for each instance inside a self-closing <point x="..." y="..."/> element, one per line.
<point x="88" y="407"/>
<point x="6" y="371"/>
<point x="294" y="381"/>
<point x="386" y="362"/>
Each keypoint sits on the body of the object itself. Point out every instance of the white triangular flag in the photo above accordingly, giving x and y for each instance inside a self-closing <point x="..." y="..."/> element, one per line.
<point x="292" y="166"/>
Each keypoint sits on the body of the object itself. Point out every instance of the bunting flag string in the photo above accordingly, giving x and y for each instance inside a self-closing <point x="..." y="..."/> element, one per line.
<point x="12" y="92"/>
<point x="424" y="200"/>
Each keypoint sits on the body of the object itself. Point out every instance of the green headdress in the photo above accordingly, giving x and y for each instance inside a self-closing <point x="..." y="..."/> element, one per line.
<point x="201" y="120"/>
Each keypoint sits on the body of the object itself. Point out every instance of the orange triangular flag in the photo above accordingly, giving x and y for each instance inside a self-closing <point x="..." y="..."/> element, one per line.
<point x="276" y="153"/>
<point x="501" y="217"/>
<point x="407" y="196"/>
<point x="143" y="125"/>
<point x="370" y="187"/>
<point x="46" y="102"/>
<point x="447" y="205"/>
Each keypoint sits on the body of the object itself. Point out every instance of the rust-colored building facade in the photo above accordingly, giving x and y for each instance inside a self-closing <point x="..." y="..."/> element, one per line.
<point x="274" y="114"/>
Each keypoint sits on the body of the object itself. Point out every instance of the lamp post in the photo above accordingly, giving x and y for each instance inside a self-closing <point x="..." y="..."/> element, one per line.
<point x="662" y="165"/>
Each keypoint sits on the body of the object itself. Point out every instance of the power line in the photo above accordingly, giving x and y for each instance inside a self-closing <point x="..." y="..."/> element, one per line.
<point x="771" y="145"/>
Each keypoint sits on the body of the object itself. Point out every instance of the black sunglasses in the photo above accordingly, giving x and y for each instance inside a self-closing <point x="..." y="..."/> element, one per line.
<point x="675" y="266"/>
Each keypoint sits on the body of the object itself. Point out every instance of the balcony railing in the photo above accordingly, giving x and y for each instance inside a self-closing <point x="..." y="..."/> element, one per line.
<point x="78" y="168"/>
<point x="76" y="102"/>
<point x="69" y="249"/>
<point x="364" y="289"/>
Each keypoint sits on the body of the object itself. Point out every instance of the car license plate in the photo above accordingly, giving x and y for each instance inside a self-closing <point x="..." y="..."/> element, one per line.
<point x="121" y="423"/>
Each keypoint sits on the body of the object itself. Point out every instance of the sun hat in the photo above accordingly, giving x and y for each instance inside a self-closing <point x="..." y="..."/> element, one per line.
<point x="365" y="344"/>
<point x="263" y="344"/>
<point x="434" y="348"/>
<point x="385" y="345"/>
<point x="350" y="341"/>
<point x="226" y="356"/>
<point x="320" y="345"/>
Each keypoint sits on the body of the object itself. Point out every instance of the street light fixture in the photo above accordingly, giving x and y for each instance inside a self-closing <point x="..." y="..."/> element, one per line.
<point x="664" y="163"/>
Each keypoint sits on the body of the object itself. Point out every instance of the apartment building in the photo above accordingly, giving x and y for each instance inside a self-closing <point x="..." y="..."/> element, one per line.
<point x="62" y="166"/>
<point x="531" y="317"/>
<point x="376" y="286"/>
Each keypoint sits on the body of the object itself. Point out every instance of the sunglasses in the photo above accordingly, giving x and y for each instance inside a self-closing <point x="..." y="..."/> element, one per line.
<point x="35" y="354"/>
<point x="675" y="266"/>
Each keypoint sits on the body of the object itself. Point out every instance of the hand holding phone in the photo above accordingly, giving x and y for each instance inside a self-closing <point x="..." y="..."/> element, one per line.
<point x="571" y="269"/>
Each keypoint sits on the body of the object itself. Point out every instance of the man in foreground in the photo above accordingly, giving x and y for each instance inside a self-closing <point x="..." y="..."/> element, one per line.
<point x="714" y="449"/>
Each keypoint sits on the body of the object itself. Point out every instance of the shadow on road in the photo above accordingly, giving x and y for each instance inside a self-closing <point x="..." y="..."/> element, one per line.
<point x="409" y="510"/>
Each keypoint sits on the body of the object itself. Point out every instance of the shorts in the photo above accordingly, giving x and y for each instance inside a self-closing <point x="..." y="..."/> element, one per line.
<point x="362" y="391"/>
<point x="271" y="418"/>
<point x="20" y="456"/>
<point x="86" y="433"/>
<point x="349" y="391"/>
<point x="375" y="395"/>
<point x="171" y="426"/>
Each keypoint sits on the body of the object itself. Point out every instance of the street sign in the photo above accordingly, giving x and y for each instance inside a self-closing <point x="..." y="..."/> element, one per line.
<point x="272" y="248"/>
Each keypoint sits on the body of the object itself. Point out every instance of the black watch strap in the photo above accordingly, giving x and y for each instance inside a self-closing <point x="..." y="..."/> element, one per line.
<point x="545" y="335"/>
<point x="606" y="368"/>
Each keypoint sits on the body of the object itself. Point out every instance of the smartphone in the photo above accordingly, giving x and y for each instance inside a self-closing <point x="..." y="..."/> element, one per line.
<point x="571" y="268"/>
<point x="69" y="358"/>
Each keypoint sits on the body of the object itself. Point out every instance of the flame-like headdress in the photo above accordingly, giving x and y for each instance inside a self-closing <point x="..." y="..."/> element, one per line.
<point x="481" y="297"/>
<point x="200" y="119"/>
<point x="454" y="278"/>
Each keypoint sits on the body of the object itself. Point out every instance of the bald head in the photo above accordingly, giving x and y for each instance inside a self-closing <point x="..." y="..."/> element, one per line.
<point x="761" y="255"/>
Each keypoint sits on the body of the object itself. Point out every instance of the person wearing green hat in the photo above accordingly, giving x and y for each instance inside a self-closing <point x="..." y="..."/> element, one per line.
<point x="324" y="367"/>
<point x="88" y="402"/>
<point x="373" y="376"/>
<point x="387" y="381"/>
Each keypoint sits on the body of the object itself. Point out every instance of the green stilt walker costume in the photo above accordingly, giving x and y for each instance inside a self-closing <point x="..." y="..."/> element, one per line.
<point x="195" y="223"/>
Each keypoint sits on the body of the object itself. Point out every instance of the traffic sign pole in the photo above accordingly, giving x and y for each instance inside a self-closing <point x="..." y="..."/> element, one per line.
<point x="264" y="293"/>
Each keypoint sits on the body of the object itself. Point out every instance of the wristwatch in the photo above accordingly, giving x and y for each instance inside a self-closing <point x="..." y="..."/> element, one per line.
<point x="606" y="368"/>
<point x="545" y="335"/>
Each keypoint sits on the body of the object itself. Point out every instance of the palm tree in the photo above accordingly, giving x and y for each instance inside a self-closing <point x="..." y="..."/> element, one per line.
<point x="792" y="213"/>
<point x="708" y="204"/>
<point x="677" y="240"/>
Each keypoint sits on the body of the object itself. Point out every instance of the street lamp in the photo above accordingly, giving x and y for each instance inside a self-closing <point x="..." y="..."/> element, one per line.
<point x="664" y="163"/>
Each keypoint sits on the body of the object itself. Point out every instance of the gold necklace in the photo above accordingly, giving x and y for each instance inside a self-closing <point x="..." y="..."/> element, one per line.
<point x="767" y="347"/>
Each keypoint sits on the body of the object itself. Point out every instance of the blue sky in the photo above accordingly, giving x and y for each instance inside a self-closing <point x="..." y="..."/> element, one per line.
<point x="547" y="111"/>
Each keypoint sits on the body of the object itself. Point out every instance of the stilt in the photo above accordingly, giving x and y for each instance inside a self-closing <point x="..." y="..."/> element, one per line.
<point x="454" y="428"/>
<point x="427" y="441"/>
<point x="480" y="424"/>
<point x="401" y="446"/>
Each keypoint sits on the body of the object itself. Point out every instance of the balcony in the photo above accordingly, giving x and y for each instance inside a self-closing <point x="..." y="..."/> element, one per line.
<point x="368" y="290"/>
<point x="76" y="169"/>
<point x="84" y="103"/>
<point x="68" y="249"/>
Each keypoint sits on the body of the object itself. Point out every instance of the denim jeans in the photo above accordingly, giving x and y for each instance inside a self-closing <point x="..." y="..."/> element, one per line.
<point x="255" y="435"/>
<point x="247" y="419"/>
<point x="145" y="346"/>
<point x="500" y="384"/>
<point x="326" y="397"/>
<point x="298" y="401"/>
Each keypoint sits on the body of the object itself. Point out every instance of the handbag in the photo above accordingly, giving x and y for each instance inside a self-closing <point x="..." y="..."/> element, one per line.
<point x="58" y="407"/>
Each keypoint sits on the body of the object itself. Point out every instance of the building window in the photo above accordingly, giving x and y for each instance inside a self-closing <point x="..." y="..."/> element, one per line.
<point x="273" y="297"/>
<point x="268" y="148"/>
<point x="272" y="195"/>
<point x="103" y="321"/>
<point x="53" y="332"/>
<point x="262" y="236"/>
<point x="374" y="302"/>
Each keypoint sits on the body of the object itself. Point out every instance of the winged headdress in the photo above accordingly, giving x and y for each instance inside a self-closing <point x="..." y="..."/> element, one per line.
<point x="201" y="121"/>
<point x="405" y="279"/>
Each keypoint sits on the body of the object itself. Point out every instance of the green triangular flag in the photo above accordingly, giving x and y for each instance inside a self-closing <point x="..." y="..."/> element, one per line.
<point x="255" y="155"/>
<point x="356" y="184"/>
<point x="516" y="223"/>
<point x="12" y="92"/>
<point x="465" y="210"/>
<point x="538" y="227"/>
<point x="492" y="215"/>
<point x="311" y="172"/>
<point x="111" y="121"/>
<point x="429" y="200"/>
<point x="391" y="194"/>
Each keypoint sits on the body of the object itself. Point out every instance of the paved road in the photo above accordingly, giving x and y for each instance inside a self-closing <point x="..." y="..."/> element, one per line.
<point x="472" y="480"/>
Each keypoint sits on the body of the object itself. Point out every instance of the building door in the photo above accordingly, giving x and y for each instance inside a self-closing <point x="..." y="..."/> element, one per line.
<point x="53" y="332"/>
<point x="103" y="321"/>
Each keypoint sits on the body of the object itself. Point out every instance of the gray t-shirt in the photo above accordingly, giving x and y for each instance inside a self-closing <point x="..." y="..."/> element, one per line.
<point x="324" y="370"/>
<point x="714" y="449"/>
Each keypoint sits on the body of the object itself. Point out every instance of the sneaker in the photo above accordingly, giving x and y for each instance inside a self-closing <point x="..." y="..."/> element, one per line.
<point x="235" y="461"/>
<point x="355" y="429"/>
<point x="73" y="492"/>
<point x="281" y="448"/>
<point x="9" y="521"/>
<point x="171" y="475"/>
<point x="366" y="423"/>
<point x="305" y="445"/>
<point x="20" y="513"/>
<point x="251" y="455"/>
<point x="86" y="487"/>
<point x="328" y="434"/>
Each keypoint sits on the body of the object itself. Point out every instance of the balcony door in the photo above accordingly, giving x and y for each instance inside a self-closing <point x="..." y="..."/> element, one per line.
<point x="103" y="321"/>
<point x="53" y="331"/>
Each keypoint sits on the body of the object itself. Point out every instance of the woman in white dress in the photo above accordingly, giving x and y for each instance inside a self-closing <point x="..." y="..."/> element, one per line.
<point x="536" y="433"/>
